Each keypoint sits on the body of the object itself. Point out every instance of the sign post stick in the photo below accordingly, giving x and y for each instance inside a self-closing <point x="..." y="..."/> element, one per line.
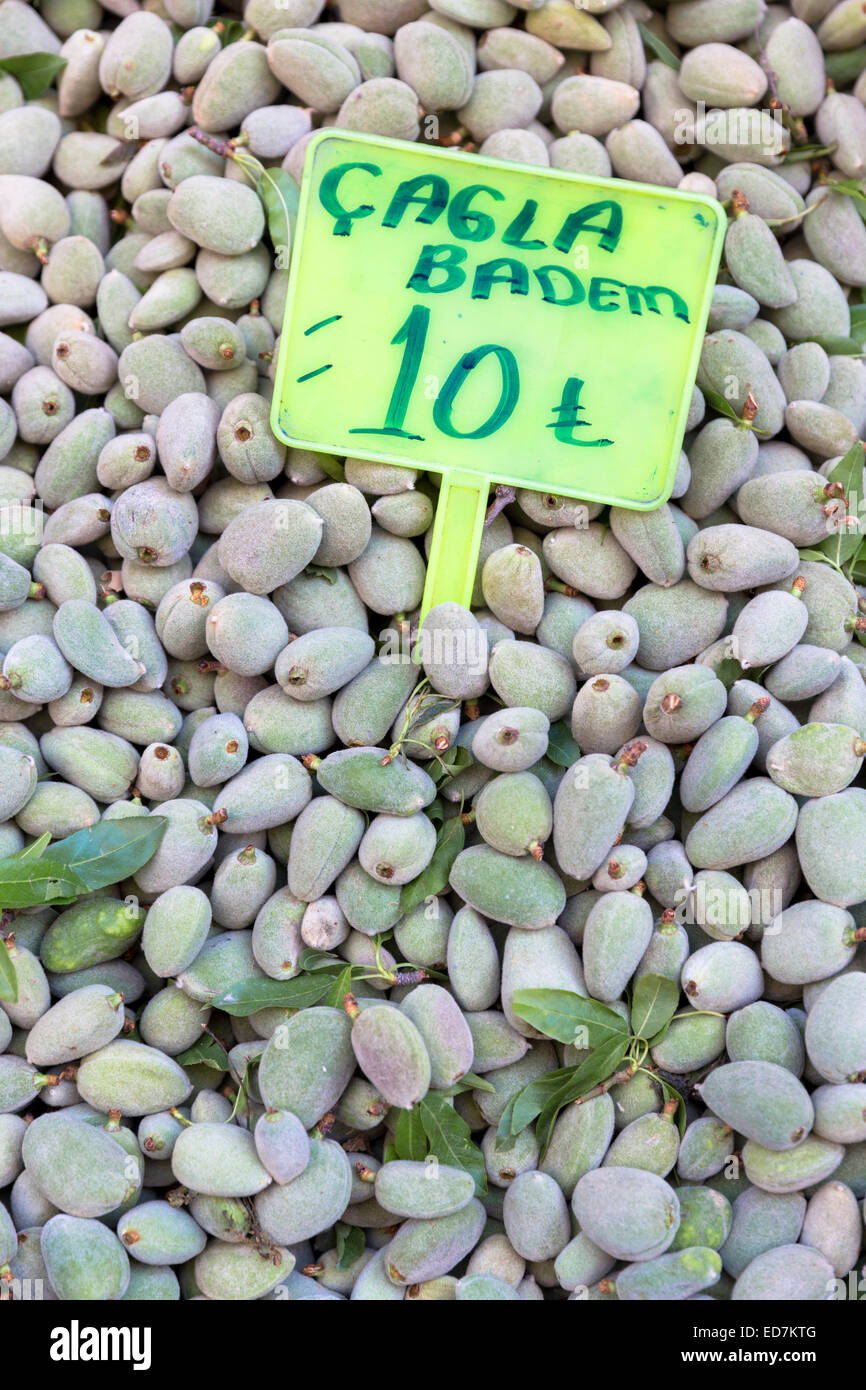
<point x="456" y="540"/>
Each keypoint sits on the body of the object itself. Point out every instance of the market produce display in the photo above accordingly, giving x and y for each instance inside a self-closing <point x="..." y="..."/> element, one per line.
<point x="517" y="956"/>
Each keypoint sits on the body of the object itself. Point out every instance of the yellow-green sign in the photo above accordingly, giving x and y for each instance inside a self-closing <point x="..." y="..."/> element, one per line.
<point x="492" y="322"/>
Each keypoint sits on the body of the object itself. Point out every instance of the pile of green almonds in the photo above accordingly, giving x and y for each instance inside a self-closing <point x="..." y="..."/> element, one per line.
<point x="529" y="970"/>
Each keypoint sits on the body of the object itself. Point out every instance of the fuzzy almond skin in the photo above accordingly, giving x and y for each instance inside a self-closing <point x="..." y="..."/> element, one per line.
<point x="617" y="933"/>
<point x="425" y="1250"/>
<point x="282" y="1144"/>
<point x="678" y="1275"/>
<point x="794" y="1169"/>
<point x="832" y="1226"/>
<point x="511" y="740"/>
<point x="159" y="1234"/>
<point x="717" y="761"/>
<point x="218" y="1160"/>
<point x="225" y="1271"/>
<point x="79" y="1167"/>
<point x="761" y="1221"/>
<point x="325" y="838"/>
<point x="133" y="1078"/>
<point x="817" y="759"/>
<point x="392" y="1055"/>
<point x="84" y="1259"/>
<point x="835" y="1042"/>
<point x="749" y="822"/>
<point x="311" y="1202"/>
<point x="402" y="1188"/>
<point x="521" y="893"/>
<point x="445" y="1033"/>
<point x="361" y="778"/>
<point x="306" y="1066"/>
<point x="811" y="938"/>
<point x="454" y="652"/>
<point x="321" y="662"/>
<point x="591" y="805"/>
<point x="675" y="623"/>
<point x="19" y="780"/>
<point x="630" y="1213"/>
<point x="287" y="536"/>
<point x="789" y="1271"/>
<point x="786" y="1114"/>
<point x="536" y="1216"/>
<point x="827" y="830"/>
<point x="80" y="1023"/>
<point x="513" y="587"/>
<point x="764" y="1032"/>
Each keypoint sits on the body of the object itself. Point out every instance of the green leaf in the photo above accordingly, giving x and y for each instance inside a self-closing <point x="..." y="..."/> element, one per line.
<point x="719" y="403"/>
<point x="561" y="747"/>
<point x="18" y="331"/>
<point x="841" y="546"/>
<point x="858" y="327"/>
<point x="658" y="47"/>
<point x="837" y="346"/>
<point x="568" y="1017"/>
<point x="600" y="1065"/>
<point x="814" y="555"/>
<point x="858" y="334"/>
<point x="852" y="188"/>
<point x="857" y="570"/>
<point x="36" y="850"/>
<point x="449" y="1138"/>
<point x="229" y="30"/>
<point x="425" y="714"/>
<point x="801" y="154"/>
<point x="34" y="72"/>
<point x="724" y="407"/>
<point x="350" y="1244"/>
<point x="434" y="879"/>
<point x="410" y="1140"/>
<point x="849" y="470"/>
<point x="671" y="1093"/>
<point x="280" y="196"/>
<point x="653" y="1004"/>
<point x="845" y="67"/>
<point x="729" y="671"/>
<point x="248" y="996"/>
<point x="529" y="1102"/>
<point x="321" y="572"/>
<point x="8" y="976"/>
<point x="242" y="1097"/>
<point x="122" y="153"/>
<point x="389" y="1153"/>
<point x="454" y="759"/>
<point x="206" y="1052"/>
<point x="29" y="884"/>
<point x="340" y="988"/>
<point x="312" y="959"/>
<point x="109" y="851"/>
<point x="660" y="1036"/>
<point x="470" y="1082"/>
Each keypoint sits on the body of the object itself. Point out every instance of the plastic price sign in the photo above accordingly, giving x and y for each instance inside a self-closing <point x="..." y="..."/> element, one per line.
<point x="492" y="323"/>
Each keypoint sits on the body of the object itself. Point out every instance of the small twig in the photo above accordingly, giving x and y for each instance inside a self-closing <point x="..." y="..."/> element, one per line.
<point x="503" y="497"/>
